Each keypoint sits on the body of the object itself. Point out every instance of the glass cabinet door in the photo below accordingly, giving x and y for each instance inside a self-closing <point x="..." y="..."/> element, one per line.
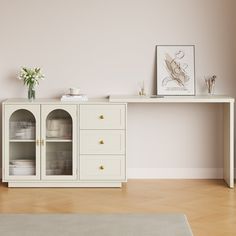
<point x="22" y="150"/>
<point x="58" y="142"/>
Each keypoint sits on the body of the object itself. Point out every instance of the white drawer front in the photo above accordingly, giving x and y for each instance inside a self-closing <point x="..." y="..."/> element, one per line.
<point x="102" y="167"/>
<point x="102" y="142"/>
<point x="102" y="116"/>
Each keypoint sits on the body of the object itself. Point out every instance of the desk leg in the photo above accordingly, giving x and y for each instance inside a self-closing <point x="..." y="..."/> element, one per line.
<point x="229" y="144"/>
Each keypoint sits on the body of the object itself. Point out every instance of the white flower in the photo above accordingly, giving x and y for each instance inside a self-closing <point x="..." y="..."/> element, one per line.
<point x="31" y="76"/>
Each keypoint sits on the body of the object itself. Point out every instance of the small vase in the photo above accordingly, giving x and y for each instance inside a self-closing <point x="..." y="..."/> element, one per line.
<point x="210" y="84"/>
<point x="31" y="93"/>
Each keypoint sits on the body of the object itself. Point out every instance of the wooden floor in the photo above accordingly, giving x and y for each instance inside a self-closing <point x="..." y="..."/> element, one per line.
<point x="208" y="204"/>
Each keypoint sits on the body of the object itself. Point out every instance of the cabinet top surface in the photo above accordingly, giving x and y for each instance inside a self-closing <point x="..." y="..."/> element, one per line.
<point x="172" y="99"/>
<point x="128" y="99"/>
<point x="54" y="101"/>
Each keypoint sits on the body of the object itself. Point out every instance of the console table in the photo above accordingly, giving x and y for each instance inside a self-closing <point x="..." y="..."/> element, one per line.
<point x="228" y="106"/>
<point x="49" y="143"/>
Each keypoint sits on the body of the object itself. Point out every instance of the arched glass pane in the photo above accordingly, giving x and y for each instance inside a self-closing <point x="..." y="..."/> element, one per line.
<point x="22" y="125"/>
<point x="22" y="149"/>
<point x="59" y="143"/>
<point x="59" y="124"/>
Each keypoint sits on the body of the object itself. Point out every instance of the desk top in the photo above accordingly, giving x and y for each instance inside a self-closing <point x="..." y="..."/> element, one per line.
<point x="172" y="99"/>
<point x="130" y="99"/>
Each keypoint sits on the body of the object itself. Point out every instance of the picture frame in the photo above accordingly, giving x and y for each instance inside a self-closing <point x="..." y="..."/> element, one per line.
<point x="175" y="70"/>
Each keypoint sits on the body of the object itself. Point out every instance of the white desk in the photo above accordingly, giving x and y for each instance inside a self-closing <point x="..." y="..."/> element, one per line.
<point x="228" y="104"/>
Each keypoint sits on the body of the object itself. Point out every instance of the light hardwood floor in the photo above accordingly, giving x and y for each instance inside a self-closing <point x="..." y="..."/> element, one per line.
<point x="208" y="204"/>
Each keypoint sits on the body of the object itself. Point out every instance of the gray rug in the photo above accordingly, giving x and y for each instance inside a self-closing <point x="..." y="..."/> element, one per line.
<point x="94" y="225"/>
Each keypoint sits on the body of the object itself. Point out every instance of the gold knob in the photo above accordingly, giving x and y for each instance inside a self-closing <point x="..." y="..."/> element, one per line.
<point x="101" y="167"/>
<point x="42" y="142"/>
<point x="101" y="117"/>
<point x="101" y="142"/>
<point x="37" y="142"/>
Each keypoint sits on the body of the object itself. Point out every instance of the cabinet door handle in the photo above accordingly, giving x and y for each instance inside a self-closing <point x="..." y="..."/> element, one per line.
<point x="101" y="142"/>
<point x="101" y="167"/>
<point x="101" y="117"/>
<point x="37" y="142"/>
<point x="42" y="142"/>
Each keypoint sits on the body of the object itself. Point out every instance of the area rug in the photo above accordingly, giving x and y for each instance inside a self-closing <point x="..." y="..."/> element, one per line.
<point x="94" y="225"/>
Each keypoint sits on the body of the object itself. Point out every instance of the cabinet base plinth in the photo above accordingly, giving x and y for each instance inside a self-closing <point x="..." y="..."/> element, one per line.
<point x="65" y="184"/>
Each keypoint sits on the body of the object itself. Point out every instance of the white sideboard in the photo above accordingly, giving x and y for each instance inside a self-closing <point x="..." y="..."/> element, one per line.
<point x="228" y="106"/>
<point x="90" y="148"/>
<point x="49" y="143"/>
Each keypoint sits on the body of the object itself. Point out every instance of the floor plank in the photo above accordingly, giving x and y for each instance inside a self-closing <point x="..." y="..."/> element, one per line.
<point x="209" y="205"/>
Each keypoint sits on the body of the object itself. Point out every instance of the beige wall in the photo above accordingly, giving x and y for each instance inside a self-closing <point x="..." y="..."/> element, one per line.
<point x="108" y="47"/>
<point x="235" y="35"/>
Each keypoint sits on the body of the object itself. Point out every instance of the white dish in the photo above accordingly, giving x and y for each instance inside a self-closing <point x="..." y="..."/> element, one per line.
<point x="13" y="170"/>
<point x="53" y="133"/>
<point x="74" y="91"/>
<point x="20" y="134"/>
<point x="53" y="124"/>
<point x="23" y="162"/>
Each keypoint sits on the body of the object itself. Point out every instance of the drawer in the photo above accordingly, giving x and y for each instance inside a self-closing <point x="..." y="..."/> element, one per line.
<point x="102" y="142"/>
<point x="102" y="167"/>
<point x="102" y="117"/>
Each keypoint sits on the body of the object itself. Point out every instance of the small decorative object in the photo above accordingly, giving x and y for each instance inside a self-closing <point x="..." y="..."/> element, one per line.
<point x="74" y="95"/>
<point x="175" y="70"/>
<point x="210" y="84"/>
<point x="142" y="90"/>
<point x="74" y="91"/>
<point x="74" y="98"/>
<point x="31" y="77"/>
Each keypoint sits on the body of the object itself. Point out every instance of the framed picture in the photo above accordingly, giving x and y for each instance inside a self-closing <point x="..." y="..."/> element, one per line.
<point x="175" y="70"/>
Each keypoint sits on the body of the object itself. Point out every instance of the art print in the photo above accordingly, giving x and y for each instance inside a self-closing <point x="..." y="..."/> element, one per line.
<point x="175" y="70"/>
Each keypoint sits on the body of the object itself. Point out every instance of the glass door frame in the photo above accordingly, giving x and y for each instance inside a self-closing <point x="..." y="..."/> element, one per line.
<point x="8" y="112"/>
<point x="46" y="109"/>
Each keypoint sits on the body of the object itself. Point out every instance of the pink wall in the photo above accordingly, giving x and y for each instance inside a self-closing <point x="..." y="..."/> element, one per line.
<point x="108" y="47"/>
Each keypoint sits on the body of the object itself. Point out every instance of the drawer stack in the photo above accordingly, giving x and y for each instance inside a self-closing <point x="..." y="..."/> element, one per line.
<point x="102" y="142"/>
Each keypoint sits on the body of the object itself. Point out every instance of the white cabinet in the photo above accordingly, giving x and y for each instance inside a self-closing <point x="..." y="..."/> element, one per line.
<point x="53" y="144"/>
<point x="102" y="142"/>
<point x="40" y="142"/>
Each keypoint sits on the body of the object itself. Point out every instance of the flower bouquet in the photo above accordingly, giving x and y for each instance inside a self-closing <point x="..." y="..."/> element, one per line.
<point x="31" y="77"/>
